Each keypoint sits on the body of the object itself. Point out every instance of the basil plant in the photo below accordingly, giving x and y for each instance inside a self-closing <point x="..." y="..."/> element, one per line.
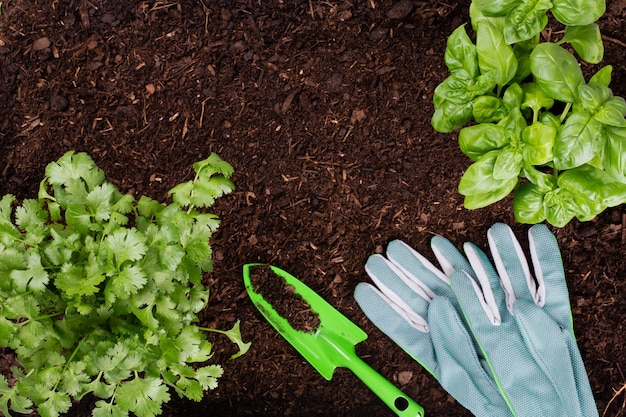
<point x="533" y="124"/>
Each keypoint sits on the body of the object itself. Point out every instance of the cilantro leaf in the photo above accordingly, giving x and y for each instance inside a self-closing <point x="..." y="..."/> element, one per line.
<point x="181" y="194"/>
<point x="100" y="201"/>
<point x="234" y="335"/>
<point x="207" y="376"/>
<point x="92" y="306"/>
<point x="195" y="241"/>
<point x="211" y="181"/>
<point x="77" y="216"/>
<point x="34" y="276"/>
<point x="74" y="378"/>
<point x="128" y="282"/>
<point x="21" y="306"/>
<point x="105" y="409"/>
<point x="6" y="208"/>
<point x="143" y="396"/>
<point x="31" y="333"/>
<point x="206" y="190"/>
<point x="74" y="169"/>
<point x="10" y="395"/>
<point x="148" y="207"/>
<point x="7" y="330"/>
<point x="124" y="203"/>
<point x="191" y="388"/>
<point x="125" y="245"/>
<point x="9" y="234"/>
<point x="10" y="258"/>
<point x="32" y="218"/>
<point x="56" y="404"/>
<point x="214" y="165"/>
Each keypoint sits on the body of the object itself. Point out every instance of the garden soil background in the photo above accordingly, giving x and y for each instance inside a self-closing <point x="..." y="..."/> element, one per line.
<point x="323" y="108"/>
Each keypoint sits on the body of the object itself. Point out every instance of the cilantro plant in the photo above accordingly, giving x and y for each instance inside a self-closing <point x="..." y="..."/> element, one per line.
<point x="539" y="129"/>
<point x="100" y="292"/>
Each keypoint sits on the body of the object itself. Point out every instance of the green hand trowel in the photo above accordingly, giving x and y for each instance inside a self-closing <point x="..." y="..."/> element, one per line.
<point x="331" y="345"/>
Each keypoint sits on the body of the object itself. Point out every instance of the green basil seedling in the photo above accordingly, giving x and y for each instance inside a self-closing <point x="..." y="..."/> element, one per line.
<point x="537" y="127"/>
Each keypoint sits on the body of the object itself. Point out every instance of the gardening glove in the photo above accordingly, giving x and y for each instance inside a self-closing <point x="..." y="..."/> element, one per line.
<point x="523" y="325"/>
<point x="414" y="305"/>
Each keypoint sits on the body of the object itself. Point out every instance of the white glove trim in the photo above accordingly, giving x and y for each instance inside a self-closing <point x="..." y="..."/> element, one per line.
<point x="395" y="302"/>
<point x="484" y="291"/>
<point x="540" y="294"/>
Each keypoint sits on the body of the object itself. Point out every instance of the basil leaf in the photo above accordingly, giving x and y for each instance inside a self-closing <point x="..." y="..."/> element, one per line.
<point x="477" y="140"/>
<point x="477" y="16"/>
<point x="535" y="98"/>
<point x="480" y="187"/>
<point x="462" y="88"/>
<point x="494" y="55"/>
<point x="614" y="154"/>
<point x="550" y="119"/>
<point x="450" y="116"/>
<point x="514" y="124"/>
<point x="560" y="207"/>
<point x="476" y="201"/>
<point x="539" y="140"/>
<point x="453" y="99"/>
<point x="513" y="96"/>
<point x="598" y="100"/>
<point x="487" y="109"/>
<point x="556" y="72"/>
<point x="461" y="53"/>
<point x="586" y="41"/>
<point x="528" y="204"/>
<point x="526" y="20"/>
<point x="495" y="7"/>
<point x="587" y="209"/>
<point x="578" y="12"/>
<point x="578" y="141"/>
<point x="508" y="163"/>
<point x="593" y="184"/>
<point x="603" y="76"/>
<point x="522" y="52"/>
<point x="545" y="182"/>
<point x="612" y="112"/>
<point x="592" y="96"/>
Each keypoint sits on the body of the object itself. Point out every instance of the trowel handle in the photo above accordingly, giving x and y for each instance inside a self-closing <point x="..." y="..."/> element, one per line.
<point x="396" y="400"/>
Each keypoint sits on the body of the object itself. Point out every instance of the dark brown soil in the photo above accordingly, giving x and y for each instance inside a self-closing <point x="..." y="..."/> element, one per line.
<point x="284" y="299"/>
<point x="323" y="108"/>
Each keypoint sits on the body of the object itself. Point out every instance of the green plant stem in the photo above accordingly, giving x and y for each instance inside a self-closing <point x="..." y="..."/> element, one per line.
<point x="208" y="329"/>
<point x="568" y="106"/>
<point x="45" y="316"/>
<point x="67" y="363"/>
<point x="192" y="193"/>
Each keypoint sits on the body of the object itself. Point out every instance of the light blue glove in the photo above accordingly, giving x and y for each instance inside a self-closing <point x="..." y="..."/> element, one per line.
<point x="414" y="305"/>
<point x="523" y="324"/>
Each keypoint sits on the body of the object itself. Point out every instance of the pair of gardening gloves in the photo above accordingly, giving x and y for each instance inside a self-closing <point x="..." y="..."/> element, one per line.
<point x="499" y="339"/>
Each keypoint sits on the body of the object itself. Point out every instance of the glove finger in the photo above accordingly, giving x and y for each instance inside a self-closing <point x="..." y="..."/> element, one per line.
<point x="404" y="294"/>
<point x="548" y="346"/>
<point x="479" y="314"/>
<point x="449" y="256"/>
<point x="486" y="285"/>
<point x="380" y="311"/>
<point x="552" y="291"/>
<point x="462" y="372"/>
<point x="511" y="263"/>
<point x="585" y="395"/>
<point x="417" y="268"/>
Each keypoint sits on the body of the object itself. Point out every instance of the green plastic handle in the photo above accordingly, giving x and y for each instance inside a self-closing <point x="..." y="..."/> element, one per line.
<point x="397" y="401"/>
<point x="332" y="344"/>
